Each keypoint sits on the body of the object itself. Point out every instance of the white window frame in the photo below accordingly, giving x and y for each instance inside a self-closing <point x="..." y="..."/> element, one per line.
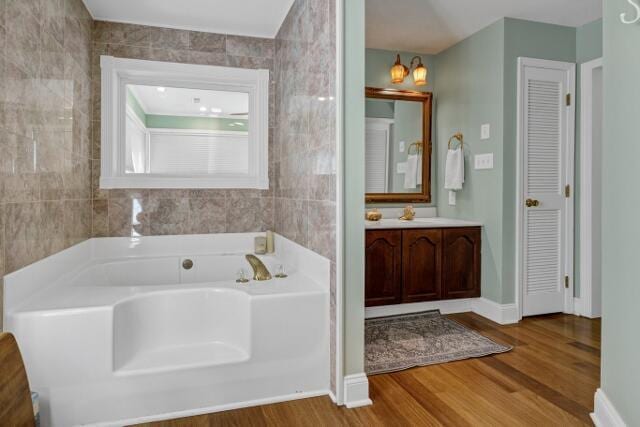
<point x="117" y="73"/>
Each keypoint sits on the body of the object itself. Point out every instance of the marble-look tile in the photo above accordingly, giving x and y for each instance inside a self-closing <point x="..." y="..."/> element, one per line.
<point x="322" y="228"/>
<point x="168" y="216"/>
<point x="291" y="219"/>
<point x="128" y="34"/>
<point x="207" y="42"/>
<point x="250" y="46"/>
<point x="249" y="214"/>
<point x="100" y="218"/>
<point x="207" y="215"/>
<point x="168" y="38"/>
<point x="77" y="221"/>
<point x="127" y="218"/>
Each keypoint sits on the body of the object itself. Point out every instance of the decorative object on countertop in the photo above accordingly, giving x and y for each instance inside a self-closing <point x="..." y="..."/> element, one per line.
<point x="408" y="213"/>
<point x="394" y="343"/>
<point x="270" y="242"/>
<point x="260" y="245"/>
<point x="373" y="215"/>
<point x="281" y="274"/>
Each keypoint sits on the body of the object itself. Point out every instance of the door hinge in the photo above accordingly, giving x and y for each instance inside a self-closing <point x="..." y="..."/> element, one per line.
<point x="567" y="191"/>
<point x="566" y="282"/>
<point x="568" y="99"/>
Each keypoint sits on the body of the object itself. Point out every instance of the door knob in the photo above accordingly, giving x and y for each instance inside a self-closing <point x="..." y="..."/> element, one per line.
<point x="532" y="203"/>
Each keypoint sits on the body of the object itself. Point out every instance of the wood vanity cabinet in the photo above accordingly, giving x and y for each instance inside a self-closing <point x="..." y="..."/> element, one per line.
<point x="416" y="265"/>
<point x="383" y="267"/>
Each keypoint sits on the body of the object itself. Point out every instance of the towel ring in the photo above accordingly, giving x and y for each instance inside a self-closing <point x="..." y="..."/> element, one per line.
<point x="460" y="139"/>
<point x="417" y="145"/>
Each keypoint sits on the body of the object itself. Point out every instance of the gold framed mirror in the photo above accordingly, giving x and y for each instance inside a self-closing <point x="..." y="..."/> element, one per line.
<point x="397" y="146"/>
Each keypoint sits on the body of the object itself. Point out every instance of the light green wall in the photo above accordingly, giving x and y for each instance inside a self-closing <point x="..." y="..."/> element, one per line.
<point x="205" y="123"/>
<point x="379" y="109"/>
<point x="588" y="47"/>
<point x="132" y="102"/>
<point x="534" y="40"/>
<point x="353" y="102"/>
<point x="621" y="204"/>
<point x="378" y="63"/>
<point x="468" y="94"/>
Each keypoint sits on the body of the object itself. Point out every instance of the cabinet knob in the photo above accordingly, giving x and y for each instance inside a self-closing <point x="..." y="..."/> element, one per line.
<point x="532" y="203"/>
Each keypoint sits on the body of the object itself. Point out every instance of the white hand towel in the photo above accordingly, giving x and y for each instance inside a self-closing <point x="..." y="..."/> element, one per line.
<point x="419" y="171"/>
<point x="410" y="174"/>
<point x="454" y="170"/>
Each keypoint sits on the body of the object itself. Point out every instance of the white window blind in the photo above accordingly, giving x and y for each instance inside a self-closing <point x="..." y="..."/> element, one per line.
<point x="194" y="153"/>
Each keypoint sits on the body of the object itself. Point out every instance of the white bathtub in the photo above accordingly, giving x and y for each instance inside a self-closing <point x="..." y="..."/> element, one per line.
<point x="115" y="331"/>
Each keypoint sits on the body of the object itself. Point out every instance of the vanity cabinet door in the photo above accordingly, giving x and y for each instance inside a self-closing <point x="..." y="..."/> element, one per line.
<point x="461" y="263"/>
<point x="421" y="265"/>
<point x="383" y="267"/>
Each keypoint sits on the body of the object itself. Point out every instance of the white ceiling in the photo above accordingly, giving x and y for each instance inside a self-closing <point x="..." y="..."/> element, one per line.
<point x="256" y="18"/>
<point x="430" y="26"/>
<point x="180" y="102"/>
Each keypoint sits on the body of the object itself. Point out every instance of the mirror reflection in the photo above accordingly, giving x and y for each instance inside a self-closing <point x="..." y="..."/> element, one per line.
<point x="183" y="131"/>
<point x="397" y="145"/>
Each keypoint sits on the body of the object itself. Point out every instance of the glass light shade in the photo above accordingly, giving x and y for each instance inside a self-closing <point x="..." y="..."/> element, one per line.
<point x="398" y="71"/>
<point x="420" y="75"/>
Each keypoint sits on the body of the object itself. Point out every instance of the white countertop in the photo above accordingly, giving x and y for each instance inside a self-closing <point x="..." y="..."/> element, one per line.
<point x="432" y="222"/>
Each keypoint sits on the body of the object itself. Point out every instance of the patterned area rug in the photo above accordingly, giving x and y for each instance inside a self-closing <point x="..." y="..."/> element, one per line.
<point x="400" y="342"/>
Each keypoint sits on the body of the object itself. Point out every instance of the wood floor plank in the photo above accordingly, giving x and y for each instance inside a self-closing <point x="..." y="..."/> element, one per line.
<point x="549" y="378"/>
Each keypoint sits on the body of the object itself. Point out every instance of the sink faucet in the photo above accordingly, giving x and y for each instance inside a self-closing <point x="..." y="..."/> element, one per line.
<point x="260" y="272"/>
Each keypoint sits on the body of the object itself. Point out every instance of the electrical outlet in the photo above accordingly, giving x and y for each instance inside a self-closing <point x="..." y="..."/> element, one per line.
<point x="485" y="131"/>
<point x="483" y="161"/>
<point x="402" y="146"/>
<point x="401" y="167"/>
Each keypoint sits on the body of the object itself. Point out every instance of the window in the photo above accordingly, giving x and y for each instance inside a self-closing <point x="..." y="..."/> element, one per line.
<point x="167" y="125"/>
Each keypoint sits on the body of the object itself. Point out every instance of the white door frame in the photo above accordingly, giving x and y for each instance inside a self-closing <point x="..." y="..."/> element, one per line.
<point x="586" y="186"/>
<point x="338" y="398"/>
<point x="568" y="255"/>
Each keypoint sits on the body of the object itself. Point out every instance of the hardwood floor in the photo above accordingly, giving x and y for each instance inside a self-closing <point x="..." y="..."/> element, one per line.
<point x="548" y="379"/>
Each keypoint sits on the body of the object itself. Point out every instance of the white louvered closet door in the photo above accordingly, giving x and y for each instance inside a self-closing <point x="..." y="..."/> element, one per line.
<point x="547" y="140"/>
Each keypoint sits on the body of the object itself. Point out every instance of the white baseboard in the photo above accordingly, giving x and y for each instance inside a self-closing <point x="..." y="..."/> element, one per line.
<point x="445" y="307"/>
<point x="605" y="414"/>
<point x="503" y="314"/>
<point x="356" y="390"/>
<point x="578" y="310"/>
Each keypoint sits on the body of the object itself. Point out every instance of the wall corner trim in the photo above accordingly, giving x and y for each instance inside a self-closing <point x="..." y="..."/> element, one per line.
<point x="356" y="390"/>
<point x="605" y="414"/>
<point x="503" y="314"/>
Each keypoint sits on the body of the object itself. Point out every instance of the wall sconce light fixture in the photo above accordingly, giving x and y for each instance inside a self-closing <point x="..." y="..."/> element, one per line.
<point x="400" y="71"/>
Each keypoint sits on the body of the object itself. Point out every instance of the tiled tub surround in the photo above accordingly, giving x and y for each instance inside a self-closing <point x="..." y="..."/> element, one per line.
<point x="45" y="129"/>
<point x="150" y="340"/>
<point x="119" y="213"/>
<point x="304" y="152"/>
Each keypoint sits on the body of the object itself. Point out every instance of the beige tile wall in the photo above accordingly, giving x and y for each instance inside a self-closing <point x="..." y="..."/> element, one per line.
<point x="155" y="212"/>
<point x="45" y="129"/>
<point x="305" y="133"/>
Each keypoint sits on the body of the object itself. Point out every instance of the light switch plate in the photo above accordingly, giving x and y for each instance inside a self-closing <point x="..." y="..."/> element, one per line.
<point x="483" y="161"/>
<point x="452" y="198"/>
<point x="402" y="146"/>
<point x="402" y="167"/>
<point x="485" y="131"/>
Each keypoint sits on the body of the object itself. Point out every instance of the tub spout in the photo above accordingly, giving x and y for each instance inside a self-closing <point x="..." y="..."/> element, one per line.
<point x="260" y="272"/>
